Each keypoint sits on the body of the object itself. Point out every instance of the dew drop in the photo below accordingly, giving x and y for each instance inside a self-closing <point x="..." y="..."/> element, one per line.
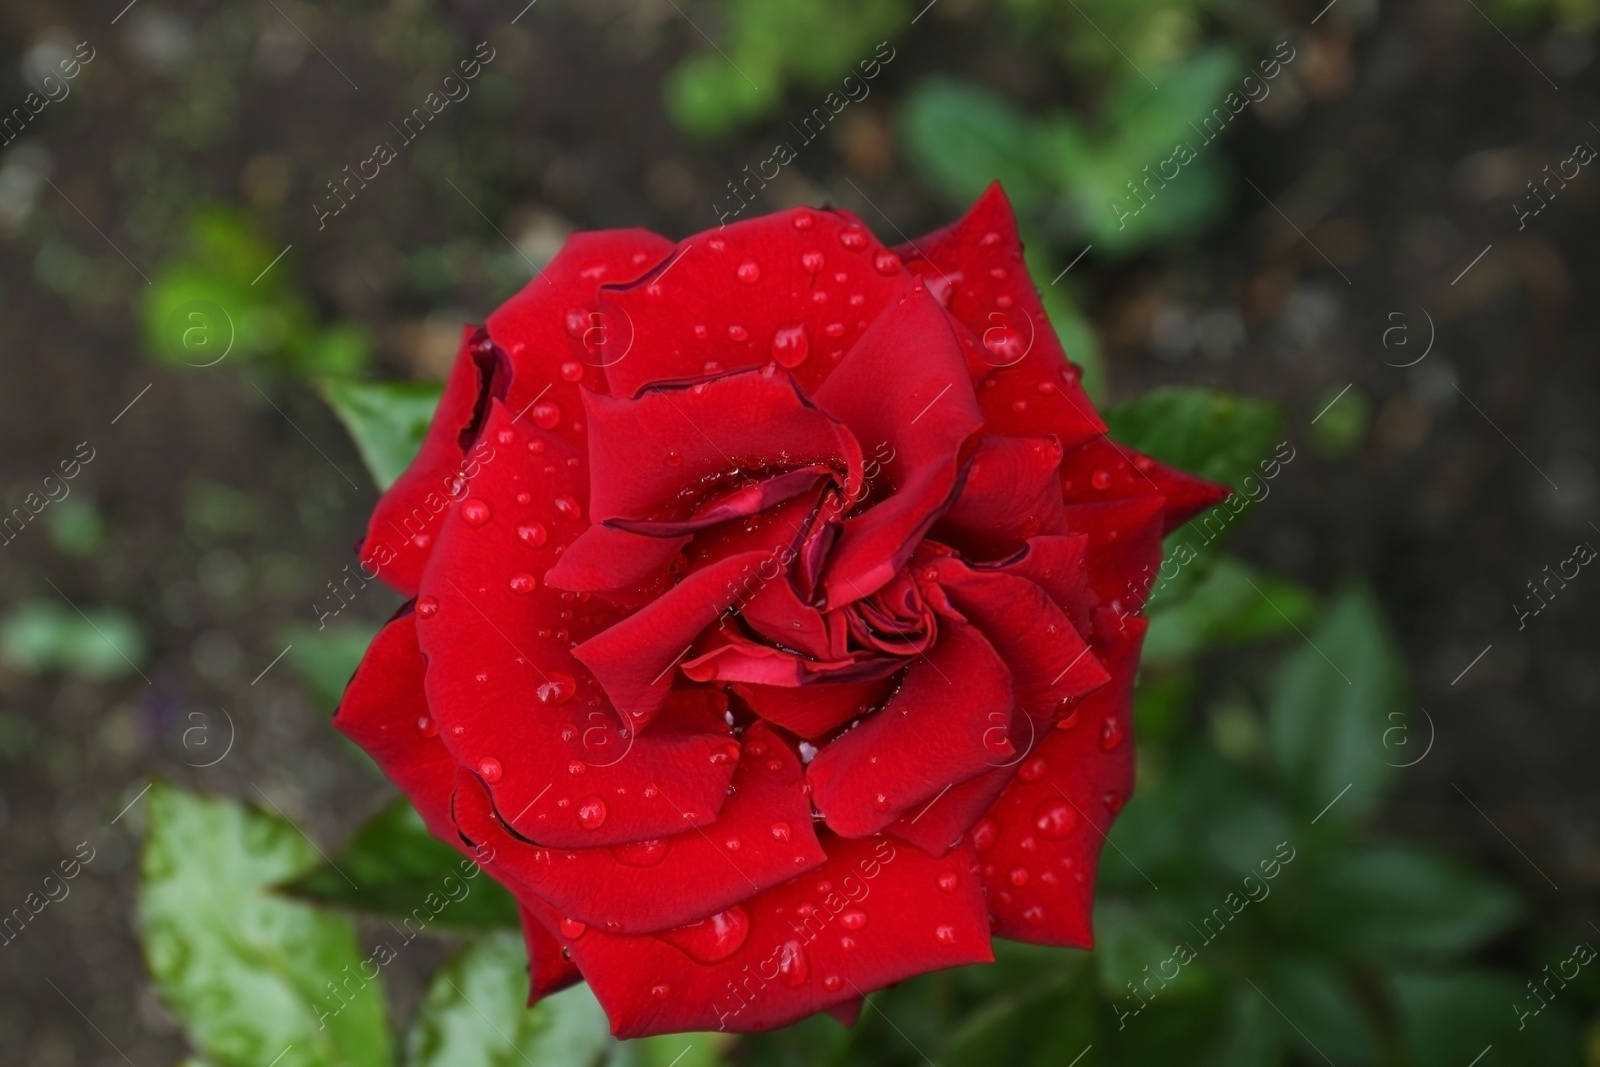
<point x="780" y="831"/>
<point x="852" y="918"/>
<point x="577" y="767"/>
<point x="522" y="582"/>
<point x="557" y="687"/>
<point x="1111" y="733"/>
<point x="490" y="769"/>
<point x="505" y="435"/>
<point x="592" y="813"/>
<point x="1018" y="876"/>
<point x="546" y="415"/>
<point x="1113" y="802"/>
<point x="833" y="983"/>
<point x="984" y="833"/>
<point x="737" y="332"/>
<point x="475" y="512"/>
<point x="661" y="990"/>
<point x="1055" y="818"/>
<point x="847" y="943"/>
<point x="568" y="508"/>
<point x="790" y="345"/>
<point x="1033" y="770"/>
<point x="1034" y="915"/>
<point x="674" y="458"/>
<point x="946" y="935"/>
<point x="1005" y="343"/>
<point x="749" y="272"/>
<point x="852" y="238"/>
<point x="948" y="880"/>
<point x="713" y="939"/>
<point x="533" y="534"/>
<point x="426" y="726"/>
<point x="572" y="929"/>
<point x="793" y="966"/>
<point x="886" y="262"/>
<point x="427" y="607"/>
<point x="803" y="220"/>
<point x="572" y="371"/>
<point x="648" y="853"/>
<point x="1100" y="479"/>
<point x="880" y="802"/>
<point x="577" y="322"/>
<point x="812" y="261"/>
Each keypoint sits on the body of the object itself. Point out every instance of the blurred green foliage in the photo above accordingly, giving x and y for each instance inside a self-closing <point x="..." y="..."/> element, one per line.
<point x="38" y="636"/>
<point x="1073" y="179"/>
<point x="225" y="296"/>
<point x="766" y="47"/>
<point x="387" y="420"/>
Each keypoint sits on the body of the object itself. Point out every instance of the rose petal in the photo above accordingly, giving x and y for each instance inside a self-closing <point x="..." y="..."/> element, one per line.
<point x="785" y="956"/>
<point x="951" y="719"/>
<point x="551" y="329"/>
<point x="1028" y="388"/>
<point x="762" y="837"/>
<point x="813" y="710"/>
<point x="400" y="535"/>
<point x="1102" y="469"/>
<point x="385" y="711"/>
<point x="502" y="681"/>
<point x="797" y="287"/>
<point x="549" y="971"/>
<point x="903" y="387"/>
<point x="1010" y="491"/>
<point x="1042" y="844"/>
<point x="1123" y="550"/>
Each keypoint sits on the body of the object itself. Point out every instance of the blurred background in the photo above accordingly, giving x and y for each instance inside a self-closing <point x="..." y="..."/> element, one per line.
<point x="1374" y="249"/>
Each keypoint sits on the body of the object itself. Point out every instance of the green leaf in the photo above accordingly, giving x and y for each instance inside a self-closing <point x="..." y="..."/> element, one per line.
<point x="961" y="138"/>
<point x="1325" y="1013"/>
<point x="1341" y="422"/>
<point x="388" y="421"/>
<point x="474" y="1015"/>
<point x="251" y="975"/>
<point x="397" y="866"/>
<point x="672" y="1050"/>
<point x="1213" y="435"/>
<point x="41" y="635"/>
<point x="1044" y="1027"/>
<point x="326" y="659"/>
<point x="1231" y="604"/>
<point x="1400" y="904"/>
<point x="1331" y="702"/>
<point x="1130" y="946"/>
<point x="1448" y="1018"/>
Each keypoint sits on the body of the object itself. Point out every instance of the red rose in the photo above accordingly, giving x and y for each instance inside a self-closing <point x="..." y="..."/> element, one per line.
<point x="772" y="634"/>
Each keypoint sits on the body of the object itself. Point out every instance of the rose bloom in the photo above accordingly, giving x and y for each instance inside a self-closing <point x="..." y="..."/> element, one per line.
<point x="773" y="627"/>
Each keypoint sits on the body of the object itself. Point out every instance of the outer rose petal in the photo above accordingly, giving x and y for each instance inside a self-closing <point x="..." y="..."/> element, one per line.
<point x="385" y="712"/>
<point x="1011" y="491"/>
<point x="903" y="385"/>
<point x="401" y="532"/>
<point x="512" y="703"/>
<point x="763" y="836"/>
<point x="1029" y="389"/>
<point x="1124" y="548"/>
<point x="551" y="327"/>
<point x="920" y="914"/>
<point x="797" y="287"/>
<point x="951" y="719"/>
<point x="1041" y="841"/>
<point x="549" y="971"/>
<point x="1101" y="469"/>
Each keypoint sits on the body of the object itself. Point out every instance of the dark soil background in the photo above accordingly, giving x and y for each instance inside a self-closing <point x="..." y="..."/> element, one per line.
<point x="228" y="493"/>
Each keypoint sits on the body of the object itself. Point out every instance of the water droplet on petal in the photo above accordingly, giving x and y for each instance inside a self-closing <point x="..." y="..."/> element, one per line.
<point x="1113" y="802"/>
<point x="803" y="220"/>
<point x="713" y="939"/>
<point x="592" y="813"/>
<point x="833" y="983"/>
<point x="1033" y="770"/>
<point x="572" y="371"/>
<point x="648" y="853"/>
<point x="780" y="831"/>
<point x="749" y="272"/>
<point x="427" y="607"/>
<point x="948" y="880"/>
<point x="532" y="534"/>
<point x="1055" y="818"/>
<point x="572" y="929"/>
<point x="522" y="582"/>
<point x="568" y="508"/>
<point x="790" y="345"/>
<point x="661" y="990"/>
<point x="475" y="512"/>
<point x="886" y="262"/>
<point x="852" y="238"/>
<point x="1100" y="479"/>
<point x="1018" y="876"/>
<point x="812" y="261"/>
<point x="557" y="687"/>
<point x="881" y="802"/>
<point x="852" y="918"/>
<point x="490" y="769"/>
<point x="1111" y="733"/>
<point x="1034" y="915"/>
<point x="546" y="415"/>
<point x="946" y="935"/>
<point x="426" y="726"/>
<point x="793" y="966"/>
<point x="674" y="458"/>
<point x="984" y="833"/>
